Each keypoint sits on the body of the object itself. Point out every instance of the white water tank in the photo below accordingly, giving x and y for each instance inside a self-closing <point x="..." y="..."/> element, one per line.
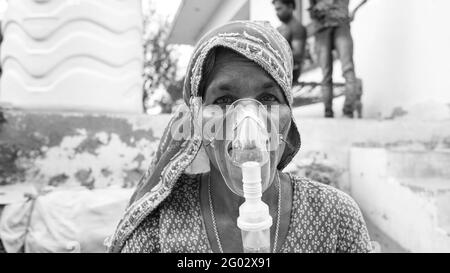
<point x="76" y="55"/>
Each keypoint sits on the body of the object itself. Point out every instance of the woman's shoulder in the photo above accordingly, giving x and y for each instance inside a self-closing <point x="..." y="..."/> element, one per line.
<point x="314" y="192"/>
<point x="190" y="179"/>
<point x="187" y="182"/>
<point x="337" y="209"/>
<point x="186" y="187"/>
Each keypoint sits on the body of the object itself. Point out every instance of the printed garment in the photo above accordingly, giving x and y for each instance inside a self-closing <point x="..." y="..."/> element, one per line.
<point x="323" y="220"/>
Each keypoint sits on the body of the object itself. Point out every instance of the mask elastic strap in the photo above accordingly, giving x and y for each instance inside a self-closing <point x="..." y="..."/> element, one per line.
<point x="208" y="142"/>
<point x="286" y="142"/>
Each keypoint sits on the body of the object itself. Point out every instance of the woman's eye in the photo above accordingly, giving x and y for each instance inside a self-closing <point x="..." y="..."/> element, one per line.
<point x="268" y="98"/>
<point x="225" y="100"/>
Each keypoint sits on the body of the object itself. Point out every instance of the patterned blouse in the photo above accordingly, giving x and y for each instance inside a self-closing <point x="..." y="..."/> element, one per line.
<point x="323" y="220"/>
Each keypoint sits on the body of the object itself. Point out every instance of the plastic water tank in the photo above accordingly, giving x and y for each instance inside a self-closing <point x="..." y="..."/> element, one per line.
<point x="78" y="55"/>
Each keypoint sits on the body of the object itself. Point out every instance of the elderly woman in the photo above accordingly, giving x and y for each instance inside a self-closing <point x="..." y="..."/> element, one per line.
<point x="174" y="210"/>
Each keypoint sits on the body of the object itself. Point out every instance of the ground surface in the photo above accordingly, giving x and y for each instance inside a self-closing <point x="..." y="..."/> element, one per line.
<point x="387" y="244"/>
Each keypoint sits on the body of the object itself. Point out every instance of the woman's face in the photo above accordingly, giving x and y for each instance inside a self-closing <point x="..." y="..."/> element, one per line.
<point x="235" y="77"/>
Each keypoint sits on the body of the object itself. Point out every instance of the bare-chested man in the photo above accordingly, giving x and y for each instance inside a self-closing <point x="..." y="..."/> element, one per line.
<point x="294" y="32"/>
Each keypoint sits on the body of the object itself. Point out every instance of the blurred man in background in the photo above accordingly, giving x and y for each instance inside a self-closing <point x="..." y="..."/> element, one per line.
<point x="331" y="27"/>
<point x="294" y="32"/>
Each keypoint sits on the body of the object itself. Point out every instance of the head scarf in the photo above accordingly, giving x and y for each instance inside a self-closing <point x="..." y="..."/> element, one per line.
<point x="257" y="41"/>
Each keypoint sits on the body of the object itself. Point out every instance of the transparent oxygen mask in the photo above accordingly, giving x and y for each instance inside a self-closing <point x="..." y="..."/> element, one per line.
<point x="247" y="132"/>
<point x="244" y="160"/>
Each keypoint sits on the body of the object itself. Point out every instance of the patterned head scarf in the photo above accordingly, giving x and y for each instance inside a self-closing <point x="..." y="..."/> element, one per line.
<point x="257" y="41"/>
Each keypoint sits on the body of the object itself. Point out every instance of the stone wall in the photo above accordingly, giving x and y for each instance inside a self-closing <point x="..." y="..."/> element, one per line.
<point x="93" y="150"/>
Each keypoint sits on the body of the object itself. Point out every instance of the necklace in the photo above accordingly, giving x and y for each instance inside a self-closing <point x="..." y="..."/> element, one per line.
<point x="277" y="228"/>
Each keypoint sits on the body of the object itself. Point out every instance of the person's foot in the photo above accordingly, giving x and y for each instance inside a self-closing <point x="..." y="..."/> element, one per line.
<point x="329" y="114"/>
<point x="348" y="112"/>
<point x="348" y="115"/>
<point x="358" y="109"/>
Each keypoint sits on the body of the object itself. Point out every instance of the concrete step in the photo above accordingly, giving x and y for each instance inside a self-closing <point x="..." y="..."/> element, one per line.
<point x="428" y="186"/>
<point x="437" y="193"/>
<point x="387" y="244"/>
<point x="419" y="164"/>
<point x="412" y="208"/>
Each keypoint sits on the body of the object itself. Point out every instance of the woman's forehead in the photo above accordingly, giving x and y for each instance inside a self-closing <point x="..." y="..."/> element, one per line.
<point x="235" y="73"/>
<point x="230" y="63"/>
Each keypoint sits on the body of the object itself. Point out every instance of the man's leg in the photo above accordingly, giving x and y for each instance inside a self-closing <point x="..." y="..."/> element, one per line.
<point x="295" y="75"/>
<point x="325" y="58"/>
<point x="359" y="92"/>
<point x="343" y="42"/>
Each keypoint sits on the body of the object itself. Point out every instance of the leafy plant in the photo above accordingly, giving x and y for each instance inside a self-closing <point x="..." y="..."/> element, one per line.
<point x="160" y="60"/>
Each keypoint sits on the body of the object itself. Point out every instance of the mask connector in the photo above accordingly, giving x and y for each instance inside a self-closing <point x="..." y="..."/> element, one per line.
<point x="254" y="218"/>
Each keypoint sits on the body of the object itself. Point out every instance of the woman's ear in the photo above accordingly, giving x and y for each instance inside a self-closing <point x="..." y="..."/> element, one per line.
<point x="200" y="164"/>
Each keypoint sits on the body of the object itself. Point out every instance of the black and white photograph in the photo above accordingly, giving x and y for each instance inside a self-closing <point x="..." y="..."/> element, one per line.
<point x="224" y="126"/>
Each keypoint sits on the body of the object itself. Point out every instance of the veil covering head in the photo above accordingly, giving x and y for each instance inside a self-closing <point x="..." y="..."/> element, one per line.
<point x="258" y="42"/>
